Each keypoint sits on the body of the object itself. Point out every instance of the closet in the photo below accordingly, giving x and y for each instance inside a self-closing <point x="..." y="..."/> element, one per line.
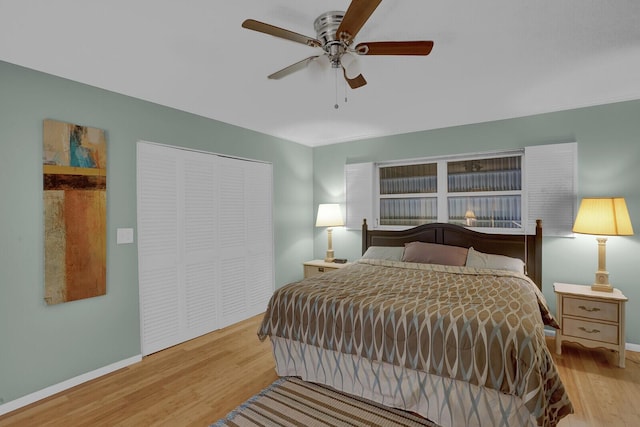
<point x="205" y="242"/>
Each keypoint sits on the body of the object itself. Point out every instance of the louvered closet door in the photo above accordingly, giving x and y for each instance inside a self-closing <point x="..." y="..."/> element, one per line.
<point x="158" y="171"/>
<point x="245" y="238"/>
<point x="199" y="264"/>
<point x="205" y="242"/>
<point x="259" y="260"/>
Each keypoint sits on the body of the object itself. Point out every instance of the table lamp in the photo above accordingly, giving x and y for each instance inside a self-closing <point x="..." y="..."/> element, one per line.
<point x="603" y="216"/>
<point x="329" y="215"/>
<point x="470" y="217"/>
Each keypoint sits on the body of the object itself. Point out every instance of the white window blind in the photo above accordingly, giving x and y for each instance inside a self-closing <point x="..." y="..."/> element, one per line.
<point x="551" y="177"/>
<point x="205" y="242"/>
<point x="359" y="191"/>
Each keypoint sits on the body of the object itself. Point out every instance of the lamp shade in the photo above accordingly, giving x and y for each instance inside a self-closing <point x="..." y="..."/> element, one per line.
<point x="606" y="216"/>
<point x="329" y="215"/>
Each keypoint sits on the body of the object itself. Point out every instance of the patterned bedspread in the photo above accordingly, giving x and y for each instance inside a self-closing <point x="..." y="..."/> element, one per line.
<point x="484" y="327"/>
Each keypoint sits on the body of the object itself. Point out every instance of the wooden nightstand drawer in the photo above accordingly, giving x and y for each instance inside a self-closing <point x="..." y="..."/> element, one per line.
<point x="313" y="270"/>
<point x="590" y="330"/>
<point x="318" y="266"/>
<point x="591" y="309"/>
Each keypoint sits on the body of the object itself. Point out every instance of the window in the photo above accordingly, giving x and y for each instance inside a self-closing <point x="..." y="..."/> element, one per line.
<point x="485" y="192"/>
<point x="480" y="192"/>
<point x="495" y="191"/>
<point x="408" y="194"/>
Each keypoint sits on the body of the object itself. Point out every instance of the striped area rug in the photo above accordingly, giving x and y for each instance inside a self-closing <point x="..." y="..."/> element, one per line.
<point x="292" y="402"/>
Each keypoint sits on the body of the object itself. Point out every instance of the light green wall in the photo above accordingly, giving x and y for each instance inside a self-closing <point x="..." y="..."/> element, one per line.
<point x="44" y="345"/>
<point x="608" y="165"/>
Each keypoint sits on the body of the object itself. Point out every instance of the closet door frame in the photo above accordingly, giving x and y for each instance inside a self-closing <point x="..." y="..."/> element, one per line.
<point x="190" y="283"/>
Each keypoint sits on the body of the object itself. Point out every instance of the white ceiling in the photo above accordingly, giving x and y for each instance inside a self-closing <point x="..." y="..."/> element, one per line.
<point x="492" y="60"/>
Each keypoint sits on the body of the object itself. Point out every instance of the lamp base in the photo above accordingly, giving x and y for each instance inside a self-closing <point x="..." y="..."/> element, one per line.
<point x="329" y="257"/>
<point x="602" y="282"/>
<point x="601" y="288"/>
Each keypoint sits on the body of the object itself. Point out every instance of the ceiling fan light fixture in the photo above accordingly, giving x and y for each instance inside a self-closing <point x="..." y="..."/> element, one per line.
<point x="336" y="31"/>
<point x="351" y="65"/>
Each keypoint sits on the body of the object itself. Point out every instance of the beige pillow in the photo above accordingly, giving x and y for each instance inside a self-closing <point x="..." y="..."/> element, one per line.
<point x="495" y="262"/>
<point x="393" y="253"/>
<point x="433" y="253"/>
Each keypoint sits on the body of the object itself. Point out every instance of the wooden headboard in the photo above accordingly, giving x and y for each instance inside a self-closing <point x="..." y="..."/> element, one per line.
<point x="512" y="245"/>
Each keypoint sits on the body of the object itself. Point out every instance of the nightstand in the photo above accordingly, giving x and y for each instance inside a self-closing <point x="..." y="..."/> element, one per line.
<point x="318" y="266"/>
<point x="593" y="319"/>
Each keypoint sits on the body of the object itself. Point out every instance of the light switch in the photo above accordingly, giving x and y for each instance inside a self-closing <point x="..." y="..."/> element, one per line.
<point x="124" y="236"/>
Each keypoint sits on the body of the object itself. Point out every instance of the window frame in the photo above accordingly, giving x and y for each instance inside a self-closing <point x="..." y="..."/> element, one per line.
<point x="549" y="188"/>
<point x="442" y="193"/>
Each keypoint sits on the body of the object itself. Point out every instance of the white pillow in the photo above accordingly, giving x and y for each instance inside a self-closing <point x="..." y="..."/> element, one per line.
<point x="495" y="262"/>
<point x="392" y="253"/>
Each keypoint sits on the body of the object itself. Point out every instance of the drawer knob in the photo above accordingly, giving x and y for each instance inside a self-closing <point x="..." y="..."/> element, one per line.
<point x="321" y="269"/>
<point x="592" y="331"/>
<point x="589" y="309"/>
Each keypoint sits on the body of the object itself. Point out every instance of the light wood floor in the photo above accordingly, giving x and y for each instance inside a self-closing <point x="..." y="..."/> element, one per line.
<point x="199" y="382"/>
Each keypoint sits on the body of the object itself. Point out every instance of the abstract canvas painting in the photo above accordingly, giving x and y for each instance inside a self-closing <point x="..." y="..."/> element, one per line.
<point x="75" y="211"/>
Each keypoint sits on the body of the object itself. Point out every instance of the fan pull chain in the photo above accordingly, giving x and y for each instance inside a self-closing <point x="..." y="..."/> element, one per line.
<point x="335" y="79"/>
<point x="344" y="86"/>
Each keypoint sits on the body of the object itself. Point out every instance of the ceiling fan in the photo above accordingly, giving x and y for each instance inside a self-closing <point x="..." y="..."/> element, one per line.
<point x="336" y="32"/>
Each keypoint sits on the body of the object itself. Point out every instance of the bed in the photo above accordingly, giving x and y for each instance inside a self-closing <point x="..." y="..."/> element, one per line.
<point x="458" y="344"/>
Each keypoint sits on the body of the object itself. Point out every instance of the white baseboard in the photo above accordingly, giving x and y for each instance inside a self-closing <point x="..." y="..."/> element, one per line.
<point x="632" y="347"/>
<point x="72" y="382"/>
<point x="627" y="346"/>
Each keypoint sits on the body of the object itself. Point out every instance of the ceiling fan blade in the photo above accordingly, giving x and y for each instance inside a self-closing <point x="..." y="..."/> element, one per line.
<point x="395" y="48"/>
<point x="272" y="30"/>
<point x="356" y="15"/>
<point x="292" y="68"/>
<point x="356" y="82"/>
